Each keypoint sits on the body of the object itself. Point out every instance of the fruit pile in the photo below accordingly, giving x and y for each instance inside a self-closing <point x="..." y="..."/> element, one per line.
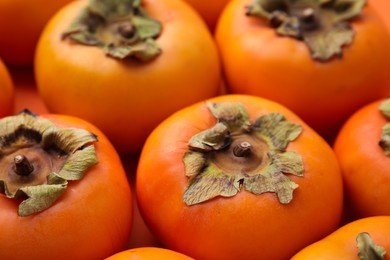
<point x="182" y="129"/>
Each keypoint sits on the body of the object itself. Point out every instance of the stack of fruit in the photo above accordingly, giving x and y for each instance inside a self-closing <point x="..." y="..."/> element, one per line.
<point x="173" y="129"/>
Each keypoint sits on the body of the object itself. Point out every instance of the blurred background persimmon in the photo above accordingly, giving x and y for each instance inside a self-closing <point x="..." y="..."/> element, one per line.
<point x="21" y="23"/>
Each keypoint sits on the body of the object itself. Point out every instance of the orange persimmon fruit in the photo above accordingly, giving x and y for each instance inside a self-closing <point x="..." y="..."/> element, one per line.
<point x="362" y="150"/>
<point x="148" y="253"/>
<point x="366" y="238"/>
<point x="21" y="23"/>
<point x="64" y="192"/>
<point x="321" y="59"/>
<point x="149" y="61"/>
<point x="238" y="177"/>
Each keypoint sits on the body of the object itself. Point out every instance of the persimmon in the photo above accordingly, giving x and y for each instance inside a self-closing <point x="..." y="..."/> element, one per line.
<point x="209" y="10"/>
<point x="306" y="55"/>
<point x="362" y="150"/>
<point x="143" y="68"/>
<point x="148" y="253"/>
<point x="7" y="96"/>
<point x="64" y="192"/>
<point x="21" y="23"/>
<point x="366" y="238"/>
<point x="238" y="177"/>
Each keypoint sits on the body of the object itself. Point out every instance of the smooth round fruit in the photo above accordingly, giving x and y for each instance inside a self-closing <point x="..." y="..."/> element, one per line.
<point x="342" y="244"/>
<point x="91" y="218"/>
<point x="221" y="209"/>
<point x="324" y="93"/>
<point x="126" y="98"/>
<point x="364" y="162"/>
<point x="21" y="23"/>
<point x="148" y="253"/>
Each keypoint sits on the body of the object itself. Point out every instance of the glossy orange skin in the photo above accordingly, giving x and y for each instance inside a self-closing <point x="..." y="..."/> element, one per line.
<point x="7" y="92"/>
<point x="257" y="61"/>
<point x="21" y="23"/>
<point x="244" y="226"/>
<point x="91" y="220"/>
<point x="382" y="7"/>
<point x="363" y="162"/>
<point x="127" y="99"/>
<point x="148" y="253"/>
<point x="341" y="244"/>
<point x="209" y="10"/>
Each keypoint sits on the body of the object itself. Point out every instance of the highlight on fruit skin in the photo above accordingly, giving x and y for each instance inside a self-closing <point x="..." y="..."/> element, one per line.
<point x="148" y="253"/>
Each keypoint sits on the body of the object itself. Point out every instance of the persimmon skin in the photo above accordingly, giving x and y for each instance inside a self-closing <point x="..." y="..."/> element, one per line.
<point x="341" y="244"/>
<point x="127" y="99"/>
<point x="21" y="23"/>
<point x="7" y="96"/>
<point x="382" y="7"/>
<point x="209" y="10"/>
<point x="363" y="163"/>
<point x="257" y="61"/>
<point x="148" y="253"/>
<point x="91" y="220"/>
<point x="244" y="226"/>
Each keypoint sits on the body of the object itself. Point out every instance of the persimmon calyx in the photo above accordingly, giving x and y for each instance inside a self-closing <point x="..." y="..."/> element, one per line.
<point x="37" y="160"/>
<point x="235" y="154"/>
<point x="384" y="141"/>
<point x="321" y="24"/>
<point x="368" y="250"/>
<point x="122" y="28"/>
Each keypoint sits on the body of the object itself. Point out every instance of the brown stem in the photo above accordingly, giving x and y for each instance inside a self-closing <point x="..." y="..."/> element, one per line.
<point x="243" y="149"/>
<point x="22" y="165"/>
<point x="308" y="19"/>
<point x="126" y="30"/>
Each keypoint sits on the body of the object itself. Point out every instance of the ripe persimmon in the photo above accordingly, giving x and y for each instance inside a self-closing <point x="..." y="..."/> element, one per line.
<point x="7" y="92"/>
<point x="238" y="177"/>
<point x="151" y="60"/>
<point x="148" y="253"/>
<point x="306" y="55"/>
<point x="362" y="150"/>
<point x="21" y="23"/>
<point x="366" y="238"/>
<point x="64" y="192"/>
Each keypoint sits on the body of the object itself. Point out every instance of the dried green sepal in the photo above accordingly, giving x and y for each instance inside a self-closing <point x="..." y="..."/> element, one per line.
<point x="122" y="28"/>
<point x="77" y="163"/>
<point x="194" y="162"/>
<point x="276" y="129"/>
<point x="53" y="155"/>
<point x="210" y="183"/>
<point x="322" y="25"/>
<point x="234" y="154"/>
<point x="384" y="107"/>
<point x="215" y="138"/>
<point x="368" y="250"/>
<point x="233" y="115"/>
<point x="384" y="142"/>
<point x="40" y="198"/>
